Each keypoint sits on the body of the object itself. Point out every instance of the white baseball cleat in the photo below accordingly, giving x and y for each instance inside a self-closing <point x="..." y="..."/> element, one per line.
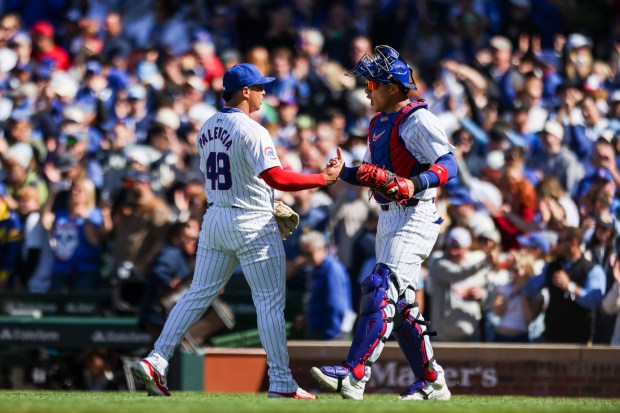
<point x="299" y="394"/>
<point x="339" y="379"/>
<point x="426" y="390"/>
<point x="154" y="378"/>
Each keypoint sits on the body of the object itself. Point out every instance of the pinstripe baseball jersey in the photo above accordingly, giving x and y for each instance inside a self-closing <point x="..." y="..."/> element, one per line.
<point x="234" y="149"/>
<point x="423" y="136"/>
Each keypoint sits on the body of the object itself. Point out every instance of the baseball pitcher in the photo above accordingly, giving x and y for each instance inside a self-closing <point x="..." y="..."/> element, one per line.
<point x="241" y="167"/>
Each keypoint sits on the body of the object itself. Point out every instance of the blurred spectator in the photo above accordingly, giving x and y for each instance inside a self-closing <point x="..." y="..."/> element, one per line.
<point x="114" y="41"/>
<point x="363" y="253"/>
<point x="347" y="216"/>
<point x="600" y="248"/>
<point x="458" y="288"/>
<point x="329" y="315"/>
<point x="36" y="256"/>
<point x="172" y="265"/>
<point x="468" y="155"/>
<point x="463" y="212"/>
<point x="279" y="33"/>
<point x="97" y="373"/>
<point x="18" y="163"/>
<point x="78" y="234"/>
<point x="10" y="23"/>
<point x="516" y="215"/>
<point x="310" y="219"/>
<point x="602" y="166"/>
<point x="556" y="208"/>
<point x="140" y="224"/>
<point x="576" y="287"/>
<point x="505" y="79"/>
<point x="515" y="309"/>
<point x="611" y="303"/>
<point x="94" y="90"/>
<point x="10" y="242"/>
<point x="489" y="241"/>
<point x="557" y="160"/>
<point x="45" y="48"/>
<point x="577" y="58"/>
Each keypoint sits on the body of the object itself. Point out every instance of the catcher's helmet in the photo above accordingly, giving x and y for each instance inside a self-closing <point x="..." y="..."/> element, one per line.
<point x="384" y="66"/>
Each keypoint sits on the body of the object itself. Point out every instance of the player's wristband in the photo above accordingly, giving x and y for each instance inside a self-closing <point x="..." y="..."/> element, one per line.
<point x="417" y="184"/>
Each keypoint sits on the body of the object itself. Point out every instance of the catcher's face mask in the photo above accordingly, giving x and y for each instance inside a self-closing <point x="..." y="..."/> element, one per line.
<point x="384" y="67"/>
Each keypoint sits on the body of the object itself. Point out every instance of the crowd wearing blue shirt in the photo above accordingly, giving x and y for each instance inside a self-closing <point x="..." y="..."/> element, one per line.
<point x="528" y="91"/>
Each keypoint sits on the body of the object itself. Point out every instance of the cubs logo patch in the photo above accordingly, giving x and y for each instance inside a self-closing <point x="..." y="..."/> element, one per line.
<point x="270" y="153"/>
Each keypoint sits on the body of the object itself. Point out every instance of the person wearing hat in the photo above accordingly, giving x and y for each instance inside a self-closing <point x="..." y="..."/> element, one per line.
<point x="463" y="211"/>
<point x="241" y="167"/>
<point x="45" y="47"/>
<point x="578" y="62"/>
<point x="504" y="78"/>
<point x="458" y="281"/>
<point x="555" y="159"/>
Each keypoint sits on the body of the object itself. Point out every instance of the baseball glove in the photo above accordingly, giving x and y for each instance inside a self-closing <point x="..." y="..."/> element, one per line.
<point x="286" y="218"/>
<point x="381" y="180"/>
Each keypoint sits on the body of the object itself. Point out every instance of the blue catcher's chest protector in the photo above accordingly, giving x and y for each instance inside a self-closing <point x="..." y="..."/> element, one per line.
<point x="387" y="148"/>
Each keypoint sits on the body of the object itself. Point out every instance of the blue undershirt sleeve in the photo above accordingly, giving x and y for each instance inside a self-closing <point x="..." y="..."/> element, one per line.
<point x="430" y="179"/>
<point x="349" y="175"/>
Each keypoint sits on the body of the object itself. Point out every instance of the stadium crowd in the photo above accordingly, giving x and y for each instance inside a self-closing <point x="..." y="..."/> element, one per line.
<point x="101" y="101"/>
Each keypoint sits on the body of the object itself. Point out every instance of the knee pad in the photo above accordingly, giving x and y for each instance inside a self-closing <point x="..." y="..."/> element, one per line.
<point x="412" y="334"/>
<point x="375" y="322"/>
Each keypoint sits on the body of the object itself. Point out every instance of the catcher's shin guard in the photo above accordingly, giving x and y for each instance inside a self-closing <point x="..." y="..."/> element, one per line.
<point x="376" y="320"/>
<point x="412" y="334"/>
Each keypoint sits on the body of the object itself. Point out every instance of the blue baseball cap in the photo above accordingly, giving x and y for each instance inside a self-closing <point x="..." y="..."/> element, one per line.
<point x="534" y="240"/>
<point x="93" y="67"/>
<point x="242" y="75"/>
<point x="460" y="196"/>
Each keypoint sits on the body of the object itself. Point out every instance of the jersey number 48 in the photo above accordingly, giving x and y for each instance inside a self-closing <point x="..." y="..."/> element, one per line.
<point x="218" y="171"/>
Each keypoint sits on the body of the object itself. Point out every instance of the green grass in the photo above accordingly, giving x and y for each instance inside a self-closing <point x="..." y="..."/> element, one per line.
<point x="190" y="402"/>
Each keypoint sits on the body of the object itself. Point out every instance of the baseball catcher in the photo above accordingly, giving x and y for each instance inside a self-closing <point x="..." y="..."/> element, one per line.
<point x="407" y="158"/>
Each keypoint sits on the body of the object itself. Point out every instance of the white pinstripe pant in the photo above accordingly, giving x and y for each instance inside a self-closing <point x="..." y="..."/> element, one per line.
<point x="230" y="237"/>
<point x="405" y="238"/>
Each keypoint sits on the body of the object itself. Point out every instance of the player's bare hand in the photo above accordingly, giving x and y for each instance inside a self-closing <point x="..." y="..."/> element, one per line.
<point x="335" y="161"/>
<point x="333" y="169"/>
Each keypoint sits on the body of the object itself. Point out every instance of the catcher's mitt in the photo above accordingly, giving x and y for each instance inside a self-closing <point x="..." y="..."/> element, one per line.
<point x="286" y="218"/>
<point x="381" y="180"/>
